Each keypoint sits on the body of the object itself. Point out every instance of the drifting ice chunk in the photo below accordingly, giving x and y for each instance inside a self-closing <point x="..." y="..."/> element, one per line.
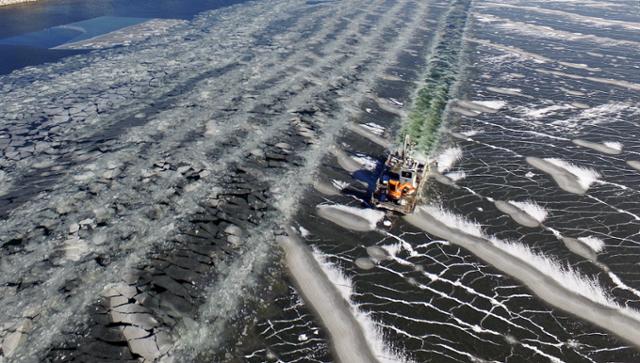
<point x="351" y="218"/>
<point x="516" y="213"/>
<point x="611" y="148"/>
<point x="595" y="243"/>
<point x="494" y="105"/>
<point x="572" y="178"/>
<point x="532" y="208"/>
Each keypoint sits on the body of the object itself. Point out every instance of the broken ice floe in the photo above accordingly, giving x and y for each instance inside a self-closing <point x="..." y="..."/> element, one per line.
<point x="506" y="91"/>
<point x="346" y="162"/>
<point x="611" y="148"/>
<point x="634" y="164"/>
<point x="595" y="243"/>
<point x="571" y="178"/>
<point x="527" y="213"/>
<point x="580" y="248"/>
<point x="373" y="128"/>
<point x="364" y="263"/>
<point x="356" y="219"/>
<point x="546" y="111"/>
<point x="366" y="161"/>
<point x="370" y="132"/>
<point x="326" y="188"/>
<point x="474" y="108"/>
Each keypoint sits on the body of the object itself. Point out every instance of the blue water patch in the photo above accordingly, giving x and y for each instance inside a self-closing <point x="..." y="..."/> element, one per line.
<point x="72" y="32"/>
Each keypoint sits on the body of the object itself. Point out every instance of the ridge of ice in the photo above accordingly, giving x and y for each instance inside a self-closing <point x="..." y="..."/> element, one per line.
<point x="448" y="158"/>
<point x="538" y="212"/>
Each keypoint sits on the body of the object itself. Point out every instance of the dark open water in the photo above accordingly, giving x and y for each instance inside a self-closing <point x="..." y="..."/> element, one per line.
<point x="20" y="19"/>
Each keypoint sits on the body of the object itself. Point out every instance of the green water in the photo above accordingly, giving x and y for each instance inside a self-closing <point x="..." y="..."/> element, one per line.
<point x="426" y="115"/>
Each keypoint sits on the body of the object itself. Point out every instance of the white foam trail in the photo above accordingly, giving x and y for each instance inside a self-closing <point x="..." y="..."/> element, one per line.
<point x="448" y="158"/>
<point x="586" y="176"/>
<point x="595" y="243"/>
<point x="608" y="81"/>
<point x="535" y="210"/>
<point x="393" y="249"/>
<point x="598" y="115"/>
<point x="304" y="232"/>
<point x="372" y="332"/>
<point x="524" y="55"/>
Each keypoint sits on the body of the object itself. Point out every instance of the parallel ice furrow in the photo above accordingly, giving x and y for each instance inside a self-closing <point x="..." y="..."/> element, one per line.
<point x="373" y="334"/>
<point x="607" y="81"/>
<point x="528" y="55"/>
<point x="589" y="20"/>
<point x="540" y="31"/>
<point x="233" y="156"/>
<point x="561" y="285"/>
<point x="314" y="155"/>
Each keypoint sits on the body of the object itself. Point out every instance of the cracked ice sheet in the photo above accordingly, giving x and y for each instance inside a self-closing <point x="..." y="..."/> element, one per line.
<point x="499" y="142"/>
<point x="157" y="152"/>
<point x="437" y="300"/>
<point x="165" y="169"/>
<point x="494" y="173"/>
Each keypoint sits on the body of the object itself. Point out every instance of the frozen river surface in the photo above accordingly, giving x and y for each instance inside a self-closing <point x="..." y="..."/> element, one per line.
<point x="145" y="190"/>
